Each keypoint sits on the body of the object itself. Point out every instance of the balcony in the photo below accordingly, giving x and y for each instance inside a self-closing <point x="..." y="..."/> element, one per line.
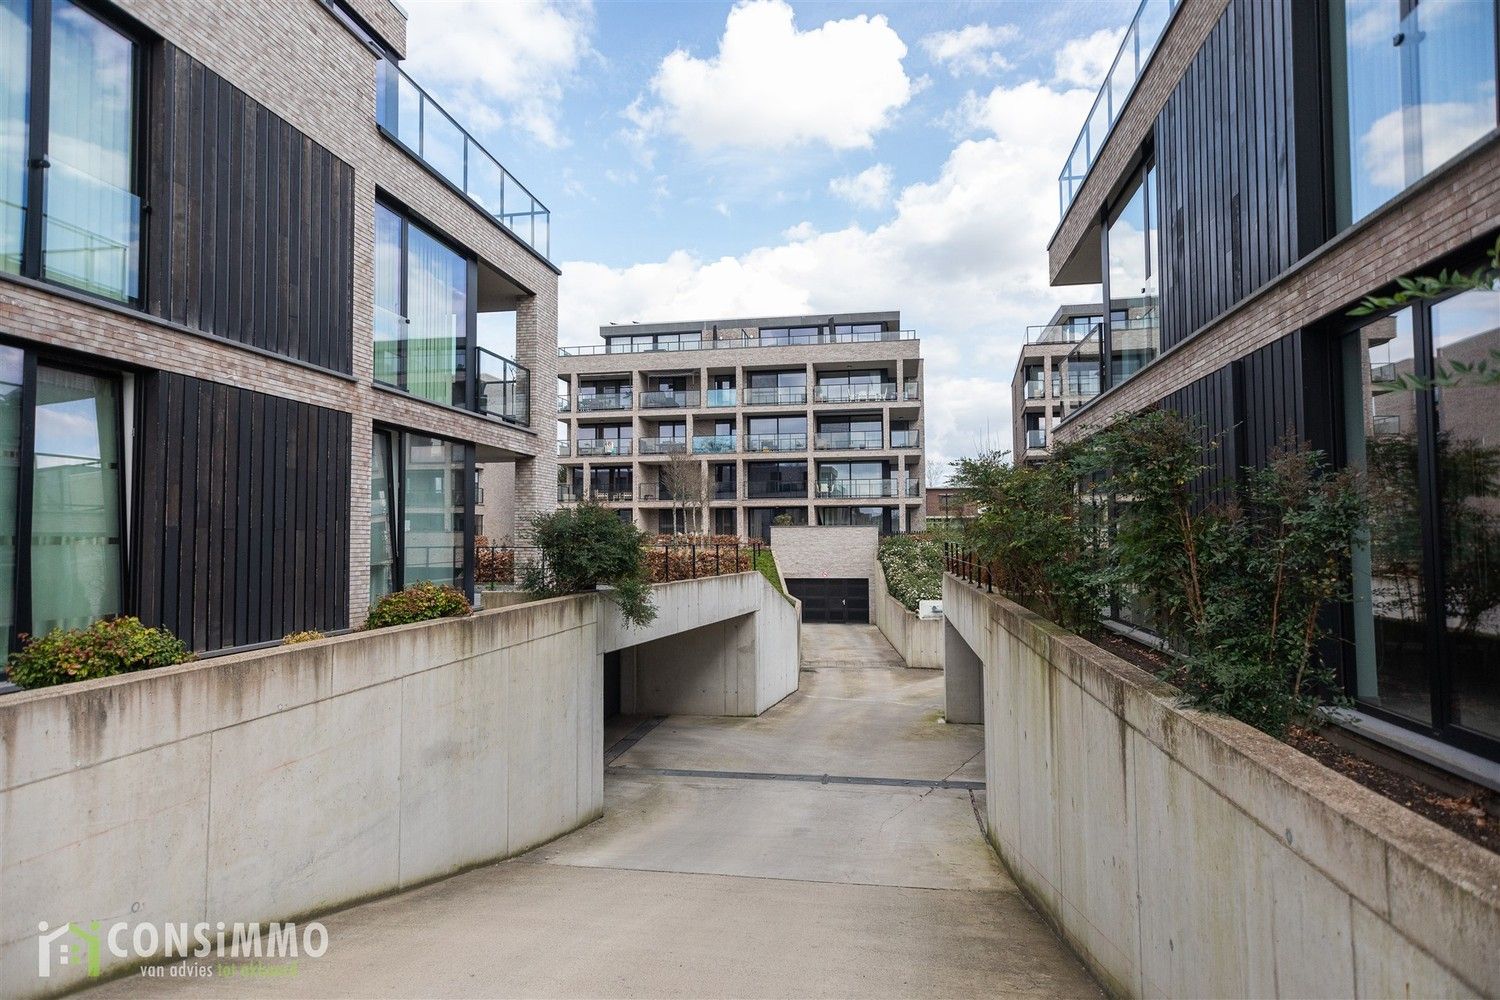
<point x="1083" y="384"/>
<point x="564" y="404"/>
<point x="652" y="492"/>
<point x="1145" y="30"/>
<point x="721" y="397"/>
<point x="911" y="391"/>
<point x="597" y="447"/>
<point x="849" y="440"/>
<point x="1036" y="389"/>
<point x="777" y="396"/>
<point x="775" y="442"/>
<point x="564" y="449"/>
<point x="504" y="388"/>
<point x="876" y="393"/>
<point x="1035" y="439"/>
<point x="669" y="399"/>
<point x="597" y="402"/>
<point x="775" y="491"/>
<point x="566" y="494"/>
<point x="713" y="444"/>
<point x="905" y="439"/>
<point x="663" y="446"/>
<point x="732" y="343"/>
<point x="408" y="116"/>
<point x="859" y="489"/>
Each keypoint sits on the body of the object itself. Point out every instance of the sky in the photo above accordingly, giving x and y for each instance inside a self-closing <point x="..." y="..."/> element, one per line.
<point x="768" y="157"/>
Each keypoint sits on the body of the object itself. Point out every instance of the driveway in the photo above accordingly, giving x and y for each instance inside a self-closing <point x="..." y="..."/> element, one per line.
<point x="828" y="848"/>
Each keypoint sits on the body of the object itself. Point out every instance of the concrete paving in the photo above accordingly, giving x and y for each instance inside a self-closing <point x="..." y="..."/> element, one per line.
<point x="727" y="865"/>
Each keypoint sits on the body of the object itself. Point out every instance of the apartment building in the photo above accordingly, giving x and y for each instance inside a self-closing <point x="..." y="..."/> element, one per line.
<point x="243" y="260"/>
<point x="1250" y="170"/>
<point x="1056" y="372"/>
<point x="732" y="425"/>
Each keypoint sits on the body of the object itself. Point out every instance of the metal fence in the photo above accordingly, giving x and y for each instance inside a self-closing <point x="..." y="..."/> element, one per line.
<point x="691" y="558"/>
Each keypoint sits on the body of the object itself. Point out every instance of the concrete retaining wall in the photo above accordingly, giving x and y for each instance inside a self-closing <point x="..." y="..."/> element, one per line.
<point x="1184" y="854"/>
<point x="920" y="642"/>
<point x="724" y="645"/>
<point x="290" y="781"/>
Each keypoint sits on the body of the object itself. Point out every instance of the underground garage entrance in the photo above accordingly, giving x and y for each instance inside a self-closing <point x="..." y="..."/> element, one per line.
<point x="837" y="601"/>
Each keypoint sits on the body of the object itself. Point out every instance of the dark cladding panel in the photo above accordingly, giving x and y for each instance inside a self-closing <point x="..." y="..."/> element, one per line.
<point x="242" y="513"/>
<point x="1226" y="157"/>
<point x="251" y="232"/>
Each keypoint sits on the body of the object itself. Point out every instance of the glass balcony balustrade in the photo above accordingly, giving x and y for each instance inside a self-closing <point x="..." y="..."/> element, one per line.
<point x="597" y="447"/>
<point x="1145" y="30"/>
<point x="912" y="390"/>
<point x="849" y="440"/>
<point x="1036" y="389"/>
<point x="663" y="446"/>
<point x="669" y="399"/>
<point x="784" y="395"/>
<point x="775" y="490"/>
<point x="564" y="449"/>
<point x="859" y="489"/>
<point x="713" y="444"/>
<point x="867" y="393"/>
<point x="722" y="397"/>
<point x="564" y="404"/>
<point x="594" y="402"/>
<point x="504" y="388"/>
<point x="734" y="343"/>
<point x="1036" y="438"/>
<point x="409" y="116"/>
<point x="775" y="442"/>
<point x="905" y="439"/>
<point x="92" y="235"/>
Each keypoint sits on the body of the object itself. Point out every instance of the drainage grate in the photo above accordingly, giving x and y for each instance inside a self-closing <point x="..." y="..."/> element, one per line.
<point x="631" y="738"/>
<point x="821" y="779"/>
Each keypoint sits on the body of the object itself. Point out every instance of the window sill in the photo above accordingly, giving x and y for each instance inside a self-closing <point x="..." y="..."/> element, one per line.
<point x="1425" y="749"/>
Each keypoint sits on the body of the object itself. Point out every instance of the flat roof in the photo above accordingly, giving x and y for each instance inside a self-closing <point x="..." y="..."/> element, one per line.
<point x="695" y="325"/>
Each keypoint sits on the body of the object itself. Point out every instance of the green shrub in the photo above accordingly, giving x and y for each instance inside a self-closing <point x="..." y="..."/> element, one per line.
<point x="585" y="547"/>
<point x="421" y="602"/>
<point x="308" y="635"/>
<point x="913" y="567"/>
<point x="106" y="648"/>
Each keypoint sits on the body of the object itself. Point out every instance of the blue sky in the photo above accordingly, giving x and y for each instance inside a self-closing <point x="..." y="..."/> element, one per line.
<point x="708" y="159"/>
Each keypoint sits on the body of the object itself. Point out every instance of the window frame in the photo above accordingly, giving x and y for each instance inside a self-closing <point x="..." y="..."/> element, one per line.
<point x="38" y="144"/>
<point x="396" y="511"/>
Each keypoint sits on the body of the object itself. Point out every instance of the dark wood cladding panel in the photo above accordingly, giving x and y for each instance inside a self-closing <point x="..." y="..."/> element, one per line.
<point x="251" y="229"/>
<point x="1243" y="412"/>
<point x="1225" y="154"/>
<point x="242" y="513"/>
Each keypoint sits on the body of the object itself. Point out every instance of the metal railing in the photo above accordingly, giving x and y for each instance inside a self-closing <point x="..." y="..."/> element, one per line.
<point x="713" y="444"/>
<point x="589" y="447"/>
<point x="595" y="402"/>
<point x="1140" y="40"/>
<point x="730" y="343"/>
<point x="868" y="393"/>
<point x="787" y="395"/>
<point x="409" y="116"/>
<point x="669" y="399"/>
<point x="858" y="489"/>
<point x="691" y="557"/>
<point x="663" y="446"/>
<point x="967" y="566"/>
<point x="776" y="442"/>
<point x="504" y="388"/>
<point x="849" y="440"/>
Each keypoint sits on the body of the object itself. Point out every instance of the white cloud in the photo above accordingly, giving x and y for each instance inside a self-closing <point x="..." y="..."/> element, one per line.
<point x="1447" y="127"/>
<point x="870" y="188"/>
<point x="772" y="87"/>
<point x="962" y="256"/>
<point x="972" y="48"/>
<point x="500" y="65"/>
<point x="1083" y="62"/>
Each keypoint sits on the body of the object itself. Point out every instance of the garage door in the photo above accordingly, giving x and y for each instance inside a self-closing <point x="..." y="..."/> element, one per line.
<point x="838" y="602"/>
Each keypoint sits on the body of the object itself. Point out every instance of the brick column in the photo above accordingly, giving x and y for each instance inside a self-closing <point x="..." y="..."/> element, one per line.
<point x="536" y="348"/>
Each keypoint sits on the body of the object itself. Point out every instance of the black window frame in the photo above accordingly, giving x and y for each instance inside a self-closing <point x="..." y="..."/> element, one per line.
<point x="396" y="509"/>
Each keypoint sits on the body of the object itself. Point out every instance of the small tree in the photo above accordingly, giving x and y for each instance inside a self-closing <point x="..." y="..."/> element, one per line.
<point x="687" y="487"/>
<point x="586" y="547"/>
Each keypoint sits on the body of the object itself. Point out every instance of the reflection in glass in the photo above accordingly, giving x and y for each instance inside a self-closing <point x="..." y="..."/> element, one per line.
<point x="1135" y="318"/>
<point x="1389" y="606"/>
<point x="382" y="513"/>
<point x="15" y="76"/>
<point x="1408" y="92"/>
<point x="75" y="503"/>
<point x="11" y="367"/>
<point x="92" y="235"/>
<point x="432" y="509"/>
<point x="1465" y="332"/>
<point x="390" y="324"/>
<point x="421" y="311"/>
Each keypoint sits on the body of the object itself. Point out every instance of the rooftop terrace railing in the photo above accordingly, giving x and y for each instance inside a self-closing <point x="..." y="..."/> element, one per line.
<point x="410" y="117"/>
<point x="733" y="343"/>
<point x="1145" y="30"/>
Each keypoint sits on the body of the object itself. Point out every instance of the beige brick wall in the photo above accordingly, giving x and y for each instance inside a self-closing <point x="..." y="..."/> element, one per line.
<point x="302" y="63"/>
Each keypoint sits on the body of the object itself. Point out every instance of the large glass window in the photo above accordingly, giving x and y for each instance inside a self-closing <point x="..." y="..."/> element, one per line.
<point x="1413" y="84"/>
<point x="1134" y="296"/>
<point x="87" y="233"/>
<point x="1420" y="401"/>
<point x="422" y="317"/>
<point x="419" y="522"/>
